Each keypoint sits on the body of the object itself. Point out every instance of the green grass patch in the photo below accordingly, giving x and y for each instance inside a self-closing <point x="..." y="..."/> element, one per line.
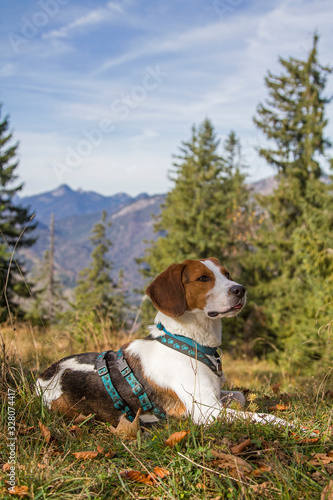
<point x="276" y="463"/>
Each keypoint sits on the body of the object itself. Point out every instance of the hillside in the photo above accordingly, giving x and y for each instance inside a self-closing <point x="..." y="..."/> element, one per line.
<point x="76" y="213"/>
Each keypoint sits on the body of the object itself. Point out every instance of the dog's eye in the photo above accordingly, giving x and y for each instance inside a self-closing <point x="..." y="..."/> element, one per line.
<point x="227" y="275"/>
<point x="204" y="278"/>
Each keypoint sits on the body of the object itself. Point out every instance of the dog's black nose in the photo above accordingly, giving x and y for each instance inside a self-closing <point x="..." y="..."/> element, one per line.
<point x="238" y="290"/>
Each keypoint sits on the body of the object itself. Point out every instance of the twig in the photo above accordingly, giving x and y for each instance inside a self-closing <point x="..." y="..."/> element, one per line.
<point x="10" y="264"/>
<point x="212" y="470"/>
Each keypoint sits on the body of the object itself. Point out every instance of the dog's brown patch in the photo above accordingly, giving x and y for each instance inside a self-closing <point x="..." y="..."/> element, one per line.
<point x="62" y="405"/>
<point x="168" y="399"/>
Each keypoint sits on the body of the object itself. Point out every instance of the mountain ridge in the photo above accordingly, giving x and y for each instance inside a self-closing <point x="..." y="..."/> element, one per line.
<point x="76" y="213"/>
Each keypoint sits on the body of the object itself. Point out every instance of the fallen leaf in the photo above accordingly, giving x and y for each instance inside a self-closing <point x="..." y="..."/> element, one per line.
<point x="200" y="486"/>
<point x="238" y="448"/>
<point x="161" y="472"/>
<point x="327" y="493"/>
<point x="85" y="455"/>
<point x="175" y="438"/>
<point x="110" y="454"/>
<point x="278" y="407"/>
<point x="259" y="488"/>
<point x="261" y="470"/>
<point x="45" y="432"/>
<point x="6" y="467"/>
<point x="276" y="387"/>
<point x="227" y="461"/>
<point x="301" y="440"/>
<point x="138" y="477"/>
<point x="321" y="459"/>
<point x="82" y="418"/>
<point x="21" y="491"/>
<point x="126" y="429"/>
<point x="100" y="449"/>
<point x="76" y="430"/>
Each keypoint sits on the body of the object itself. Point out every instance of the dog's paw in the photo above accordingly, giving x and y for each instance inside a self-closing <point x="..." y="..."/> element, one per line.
<point x="228" y="397"/>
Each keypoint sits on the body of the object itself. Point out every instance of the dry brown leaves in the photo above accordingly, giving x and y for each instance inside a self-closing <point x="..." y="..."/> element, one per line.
<point x="175" y="438"/>
<point x="46" y="433"/>
<point x="231" y="462"/>
<point x="320" y="459"/>
<point x="127" y="430"/>
<point x="88" y="455"/>
<point x="302" y="440"/>
<point x="150" y="478"/>
<point x="327" y="493"/>
<point x="20" y="491"/>
<point x="278" y="407"/>
<point x="238" y="448"/>
<point x="263" y="487"/>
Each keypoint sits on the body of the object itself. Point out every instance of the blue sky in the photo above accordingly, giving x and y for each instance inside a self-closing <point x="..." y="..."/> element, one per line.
<point x="100" y="94"/>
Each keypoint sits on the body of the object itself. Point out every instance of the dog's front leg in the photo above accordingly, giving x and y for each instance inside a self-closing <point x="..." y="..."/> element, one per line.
<point x="262" y="418"/>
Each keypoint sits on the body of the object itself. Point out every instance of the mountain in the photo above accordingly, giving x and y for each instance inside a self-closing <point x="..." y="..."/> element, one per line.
<point x="65" y="202"/>
<point x="76" y="213"/>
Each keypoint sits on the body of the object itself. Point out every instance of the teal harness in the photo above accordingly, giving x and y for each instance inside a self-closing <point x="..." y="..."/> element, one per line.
<point x="177" y="342"/>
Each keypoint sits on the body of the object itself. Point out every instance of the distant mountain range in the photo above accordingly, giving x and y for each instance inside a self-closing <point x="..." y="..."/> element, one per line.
<point x="76" y="213"/>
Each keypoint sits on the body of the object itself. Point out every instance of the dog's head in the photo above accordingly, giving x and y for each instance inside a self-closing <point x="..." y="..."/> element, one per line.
<point x="197" y="284"/>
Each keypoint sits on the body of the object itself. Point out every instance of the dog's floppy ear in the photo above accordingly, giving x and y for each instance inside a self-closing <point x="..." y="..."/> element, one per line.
<point x="167" y="291"/>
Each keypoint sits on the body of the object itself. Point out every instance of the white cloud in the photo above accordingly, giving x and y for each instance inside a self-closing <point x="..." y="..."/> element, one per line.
<point x="91" y="19"/>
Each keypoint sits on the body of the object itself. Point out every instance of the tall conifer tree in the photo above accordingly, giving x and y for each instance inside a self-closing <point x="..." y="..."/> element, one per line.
<point x="97" y="295"/>
<point x="206" y="207"/>
<point x="15" y="226"/>
<point x="297" y="218"/>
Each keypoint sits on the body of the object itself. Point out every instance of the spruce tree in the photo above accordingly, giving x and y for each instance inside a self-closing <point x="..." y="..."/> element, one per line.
<point x="15" y="226"/>
<point x="97" y="296"/>
<point x="292" y="266"/>
<point x="47" y="288"/>
<point x="206" y="209"/>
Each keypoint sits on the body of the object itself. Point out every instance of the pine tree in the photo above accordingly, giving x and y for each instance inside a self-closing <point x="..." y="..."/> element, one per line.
<point x="205" y="209"/>
<point x="49" y="301"/>
<point x="97" y="296"/>
<point x="297" y="219"/>
<point x="15" y="226"/>
<point x="41" y="312"/>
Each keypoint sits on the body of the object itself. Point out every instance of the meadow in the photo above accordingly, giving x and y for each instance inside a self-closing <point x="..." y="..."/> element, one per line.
<point x="55" y="458"/>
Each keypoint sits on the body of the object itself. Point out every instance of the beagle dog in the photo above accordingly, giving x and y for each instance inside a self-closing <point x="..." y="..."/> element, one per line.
<point x="174" y="371"/>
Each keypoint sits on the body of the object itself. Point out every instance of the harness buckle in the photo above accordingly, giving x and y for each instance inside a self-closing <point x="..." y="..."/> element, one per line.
<point x="123" y="367"/>
<point x="102" y="371"/>
<point x="137" y="389"/>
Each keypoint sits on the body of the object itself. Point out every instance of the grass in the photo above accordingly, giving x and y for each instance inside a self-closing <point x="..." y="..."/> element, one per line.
<point x="275" y="464"/>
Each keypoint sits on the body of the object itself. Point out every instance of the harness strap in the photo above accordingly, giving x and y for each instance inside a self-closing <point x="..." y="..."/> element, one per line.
<point x="137" y="388"/>
<point x="103" y="372"/>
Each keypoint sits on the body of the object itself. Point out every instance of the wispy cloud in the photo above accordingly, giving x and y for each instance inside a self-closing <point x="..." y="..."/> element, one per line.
<point x="89" y="20"/>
